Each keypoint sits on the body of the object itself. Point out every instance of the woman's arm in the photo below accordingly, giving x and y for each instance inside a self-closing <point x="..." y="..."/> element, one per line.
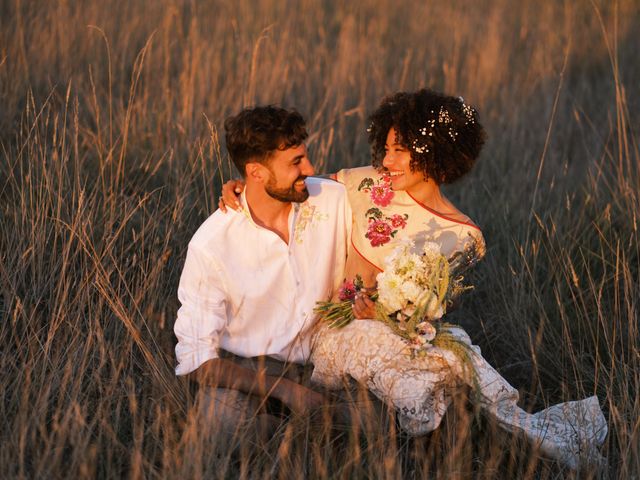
<point x="230" y="192"/>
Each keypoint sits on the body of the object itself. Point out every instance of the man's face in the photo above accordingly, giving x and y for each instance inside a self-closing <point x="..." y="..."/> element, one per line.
<point x="288" y="169"/>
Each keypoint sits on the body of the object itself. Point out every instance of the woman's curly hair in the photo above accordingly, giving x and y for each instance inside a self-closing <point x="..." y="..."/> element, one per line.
<point x="442" y="133"/>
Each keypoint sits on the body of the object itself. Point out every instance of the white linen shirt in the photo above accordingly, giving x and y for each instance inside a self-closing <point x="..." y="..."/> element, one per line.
<point x="243" y="289"/>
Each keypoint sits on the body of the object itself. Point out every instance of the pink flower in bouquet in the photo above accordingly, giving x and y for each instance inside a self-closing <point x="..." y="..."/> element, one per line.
<point x="347" y="291"/>
<point x="427" y="331"/>
<point x="398" y="221"/>
<point x="417" y="342"/>
<point x="379" y="232"/>
<point x="381" y="194"/>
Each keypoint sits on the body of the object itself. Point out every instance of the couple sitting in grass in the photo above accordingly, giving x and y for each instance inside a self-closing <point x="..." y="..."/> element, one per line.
<point x="352" y="274"/>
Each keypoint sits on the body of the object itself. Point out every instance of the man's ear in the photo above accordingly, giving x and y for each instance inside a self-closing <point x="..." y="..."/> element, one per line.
<point x="257" y="172"/>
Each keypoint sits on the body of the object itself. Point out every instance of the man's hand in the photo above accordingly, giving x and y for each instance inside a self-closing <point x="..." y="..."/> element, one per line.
<point x="224" y="373"/>
<point x="229" y="197"/>
<point x="299" y="399"/>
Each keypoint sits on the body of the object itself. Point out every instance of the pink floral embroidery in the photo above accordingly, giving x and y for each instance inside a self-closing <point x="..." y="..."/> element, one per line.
<point x="379" y="232"/>
<point x="398" y="221"/>
<point x="381" y="228"/>
<point x="379" y="191"/>
<point x="381" y="194"/>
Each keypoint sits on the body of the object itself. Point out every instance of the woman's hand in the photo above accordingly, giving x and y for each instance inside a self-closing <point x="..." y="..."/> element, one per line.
<point x="363" y="306"/>
<point x="229" y="197"/>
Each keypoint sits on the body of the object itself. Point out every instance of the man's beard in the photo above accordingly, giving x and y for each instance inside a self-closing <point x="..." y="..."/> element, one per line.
<point x="286" y="194"/>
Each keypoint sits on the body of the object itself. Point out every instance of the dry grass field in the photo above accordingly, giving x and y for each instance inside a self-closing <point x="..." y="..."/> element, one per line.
<point x="110" y="159"/>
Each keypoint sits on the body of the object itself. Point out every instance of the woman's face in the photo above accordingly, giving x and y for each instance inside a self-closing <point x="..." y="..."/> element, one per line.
<point x="397" y="160"/>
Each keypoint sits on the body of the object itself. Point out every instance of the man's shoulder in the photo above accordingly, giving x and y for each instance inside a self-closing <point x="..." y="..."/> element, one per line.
<point x="325" y="189"/>
<point x="215" y="229"/>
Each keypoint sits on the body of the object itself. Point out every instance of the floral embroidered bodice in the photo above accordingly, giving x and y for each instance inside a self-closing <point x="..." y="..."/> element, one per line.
<point x="382" y="216"/>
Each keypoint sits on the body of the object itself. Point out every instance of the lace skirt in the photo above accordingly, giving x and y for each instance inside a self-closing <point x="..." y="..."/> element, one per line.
<point x="418" y="389"/>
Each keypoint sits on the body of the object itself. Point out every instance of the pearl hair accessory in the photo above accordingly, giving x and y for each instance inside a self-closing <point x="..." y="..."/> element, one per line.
<point x="420" y="145"/>
<point x="468" y="111"/>
<point x="419" y="148"/>
<point x="443" y="116"/>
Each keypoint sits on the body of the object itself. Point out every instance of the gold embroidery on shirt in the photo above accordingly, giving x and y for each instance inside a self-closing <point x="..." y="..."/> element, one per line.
<point x="307" y="215"/>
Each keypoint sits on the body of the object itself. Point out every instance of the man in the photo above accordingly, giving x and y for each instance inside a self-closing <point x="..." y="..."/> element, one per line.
<point x="251" y="278"/>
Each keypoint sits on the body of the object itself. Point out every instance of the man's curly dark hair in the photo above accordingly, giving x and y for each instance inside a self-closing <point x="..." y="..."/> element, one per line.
<point x="442" y="133"/>
<point x="255" y="133"/>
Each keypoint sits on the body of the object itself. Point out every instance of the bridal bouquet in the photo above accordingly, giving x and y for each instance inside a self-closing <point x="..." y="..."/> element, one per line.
<point x="414" y="292"/>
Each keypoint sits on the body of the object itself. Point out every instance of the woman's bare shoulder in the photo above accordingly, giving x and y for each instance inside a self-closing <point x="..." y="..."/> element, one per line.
<point x="454" y="213"/>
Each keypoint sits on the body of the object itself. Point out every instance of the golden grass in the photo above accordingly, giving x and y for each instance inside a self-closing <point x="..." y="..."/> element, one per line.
<point x="110" y="159"/>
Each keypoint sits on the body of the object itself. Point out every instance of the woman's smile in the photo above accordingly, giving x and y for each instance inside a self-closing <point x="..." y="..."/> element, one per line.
<point x="397" y="161"/>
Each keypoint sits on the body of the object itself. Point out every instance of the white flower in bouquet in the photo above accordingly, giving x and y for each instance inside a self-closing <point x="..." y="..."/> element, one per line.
<point x="390" y="291"/>
<point x="402" y="249"/>
<point x="410" y="266"/>
<point x="431" y="249"/>
<point x="434" y="309"/>
<point x="411" y="291"/>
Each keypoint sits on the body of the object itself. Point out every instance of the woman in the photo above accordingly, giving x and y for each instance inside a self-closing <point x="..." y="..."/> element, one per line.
<point x="420" y="141"/>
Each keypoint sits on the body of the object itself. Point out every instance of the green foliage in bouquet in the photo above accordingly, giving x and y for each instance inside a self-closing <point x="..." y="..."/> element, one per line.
<point x="446" y="340"/>
<point x="336" y="314"/>
<point x="460" y="263"/>
<point x="339" y="314"/>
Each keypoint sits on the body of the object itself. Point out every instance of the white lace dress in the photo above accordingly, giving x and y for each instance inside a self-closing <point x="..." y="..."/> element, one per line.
<point x="418" y="388"/>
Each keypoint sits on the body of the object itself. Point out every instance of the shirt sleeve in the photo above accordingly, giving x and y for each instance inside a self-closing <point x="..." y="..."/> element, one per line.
<point x="343" y="242"/>
<point x="202" y="315"/>
<point x="348" y="216"/>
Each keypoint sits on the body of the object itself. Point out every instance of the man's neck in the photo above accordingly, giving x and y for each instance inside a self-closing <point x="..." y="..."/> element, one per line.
<point x="268" y="212"/>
